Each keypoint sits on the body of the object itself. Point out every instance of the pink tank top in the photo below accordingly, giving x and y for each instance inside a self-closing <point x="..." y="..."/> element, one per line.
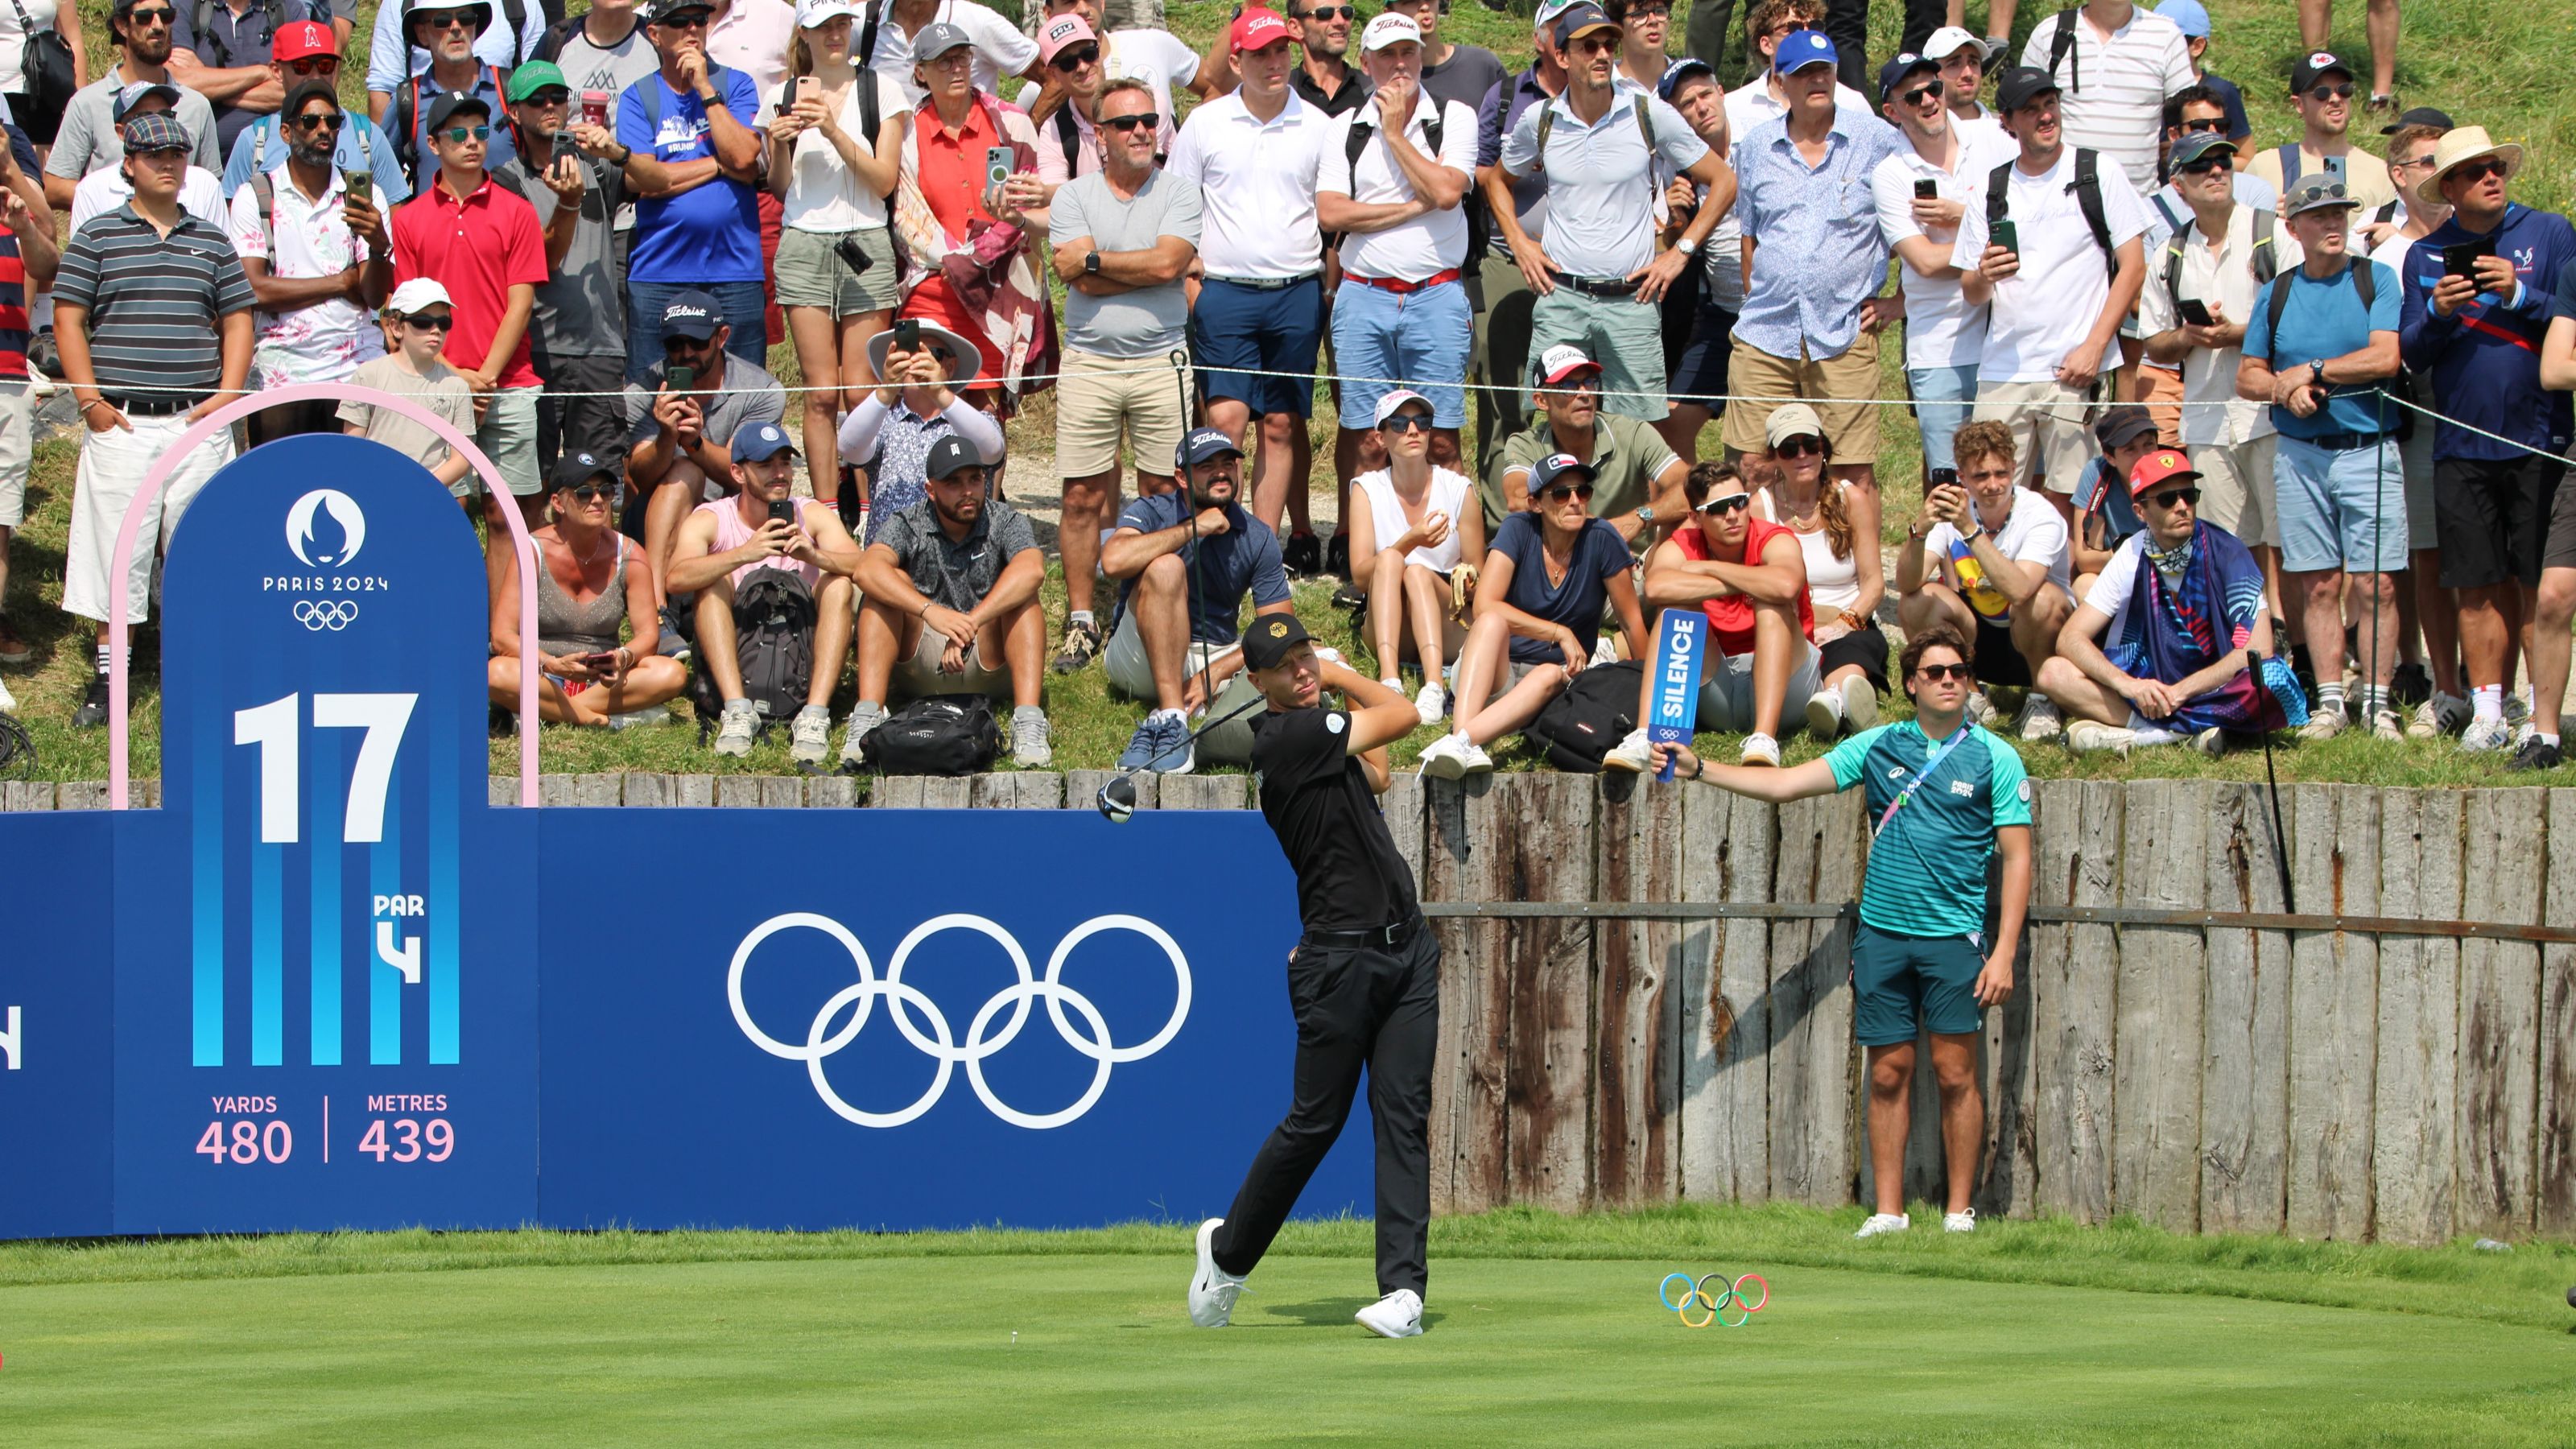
<point x="732" y="533"/>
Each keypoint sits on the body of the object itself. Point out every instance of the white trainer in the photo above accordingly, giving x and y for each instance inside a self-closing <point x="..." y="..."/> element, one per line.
<point x="2211" y="742"/>
<point x="1397" y="1315"/>
<point x="1473" y="759"/>
<point x="1631" y="754"/>
<point x="1959" y="1222"/>
<point x="2485" y="735"/>
<point x="2443" y="714"/>
<point x="1860" y="703"/>
<point x="1431" y="703"/>
<point x="1760" y="749"/>
<point x="1444" y="758"/>
<point x="2040" y="721"/>
<point x="1825" y="714"/>
<point x="1981" y="711"/>
<point x="809" y="735"/>
<point x="2086" y="735"/>
<point x="2384" y="725"/>
<point x="735" y="727"/>
<point x="1884" y="1223"/>
<point x="1212" y="1289"/>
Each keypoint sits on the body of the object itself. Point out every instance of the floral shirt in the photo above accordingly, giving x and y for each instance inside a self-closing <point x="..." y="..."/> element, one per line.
<point x="322" y="342"/>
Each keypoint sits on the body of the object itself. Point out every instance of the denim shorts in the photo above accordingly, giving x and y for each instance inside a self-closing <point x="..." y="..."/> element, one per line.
<point x="1420" y="337"/>
<point x="2342" y="509"/>
<point x="1943" y="398"/>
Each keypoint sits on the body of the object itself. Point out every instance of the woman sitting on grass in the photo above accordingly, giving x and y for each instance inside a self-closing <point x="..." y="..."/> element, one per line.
<point x="591" y="581"/>
<point x="1551" y="571"/>
<point x="1417" y="524"/>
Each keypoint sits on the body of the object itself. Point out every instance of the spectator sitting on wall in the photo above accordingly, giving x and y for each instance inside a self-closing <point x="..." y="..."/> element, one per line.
<point x="1989" y="559"/>
<point x="950" y="589"/>
<point x="725" y="541"/>
<point x="1749" y="576"/>
<point x="1414" y="530"/>
<point x="591" y="580"/>
<point x="1552" y="572"/>
<point x="2157" y="653"/>
<point x="890" y="433"/>
<point x="678" y="436"/>
<point x="1185" y="564"/>
<point x="418" y="317"/>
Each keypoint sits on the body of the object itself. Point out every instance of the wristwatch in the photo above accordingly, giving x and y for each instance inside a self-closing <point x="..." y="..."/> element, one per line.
<point x="1646" y="514"/>
<point x="1685" y="246"/>
<point x="1973" y="537"/>
<point x="1091" y="262"/>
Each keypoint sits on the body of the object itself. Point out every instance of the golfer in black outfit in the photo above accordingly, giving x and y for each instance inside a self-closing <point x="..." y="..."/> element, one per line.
<point x="1364" y="980"/>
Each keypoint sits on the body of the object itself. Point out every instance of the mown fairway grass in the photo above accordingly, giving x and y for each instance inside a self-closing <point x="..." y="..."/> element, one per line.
<point x="1544" y="1329"/>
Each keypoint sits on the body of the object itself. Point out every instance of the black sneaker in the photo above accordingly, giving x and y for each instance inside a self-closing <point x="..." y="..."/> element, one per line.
<point x="1081" y="642"/>
<point x="2410" y="685"/>
<point x="93" y="706"/>
<point x="1337" y="555"/>
<point x="2536" y="754"/>
<point x="44" y="356"/>
<point x="1303" y="553"/>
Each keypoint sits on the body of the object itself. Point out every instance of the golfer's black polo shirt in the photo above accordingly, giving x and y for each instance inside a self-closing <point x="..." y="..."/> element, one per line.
<point x="1316" y="796"/>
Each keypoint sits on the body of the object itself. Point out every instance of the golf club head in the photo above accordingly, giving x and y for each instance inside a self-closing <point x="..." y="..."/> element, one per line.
<point x="1117" y="800"/>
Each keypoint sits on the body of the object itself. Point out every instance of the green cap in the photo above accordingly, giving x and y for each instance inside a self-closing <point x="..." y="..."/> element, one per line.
<point x="533" y="77"/>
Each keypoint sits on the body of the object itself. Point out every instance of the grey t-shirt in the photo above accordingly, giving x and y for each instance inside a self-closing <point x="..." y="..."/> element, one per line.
<point x="749" y="395"/>
<point x="579" y="312"/>
<point x="1142" y="323"/>
<point x="956" y="575"/>
<point x="87" y="141"/>
<point x="588" y="67"/>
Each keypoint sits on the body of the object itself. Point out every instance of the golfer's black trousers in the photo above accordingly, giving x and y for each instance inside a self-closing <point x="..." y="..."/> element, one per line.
<point x="1356" y="1007"/>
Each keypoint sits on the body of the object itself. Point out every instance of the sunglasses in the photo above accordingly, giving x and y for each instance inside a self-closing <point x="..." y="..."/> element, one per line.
<point x="1405" y="423"/>
<point x="2170" y="496"/>
<point x="151" y="17"/>
<point x="2208" y="164"/>
<point x="1073" y="60"/>
<point x="2331" y="93"/>
<point x="688" y="20"/>
<point x="2478" y="170"/>
<point x="1799" y="446"/>
<point x="586" y="492"/>
<point x="314" y="65"/>
<point x="2213" y="126"/>
<point x="1634" y="10"/>
<point x="1564" y="491"/>
<point x="549" y="97"/>
<point x="1939" y="672"/>
<point x="1731" y="503"/>
<point x="2410" y="163"/>
<point x="459" y="135"/>
<point x="1595" y="45"/>
<point x="1928" y="91"/>
<point x="1149" y="120"/>
<point x="431" y="321"/>
<point x="446" y="19"/>
<point x="329" y="122"/>
<point x="1332" y="12"/>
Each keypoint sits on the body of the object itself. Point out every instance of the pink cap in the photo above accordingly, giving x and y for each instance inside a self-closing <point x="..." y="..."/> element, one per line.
<point x="1063" y="33"/>
<point x="1256" y="29"/>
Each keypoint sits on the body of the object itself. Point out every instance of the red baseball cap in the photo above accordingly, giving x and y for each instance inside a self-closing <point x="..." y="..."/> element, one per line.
<point x="2161" y="466"/>
<point x="1256" y="28"/>
<point x="303" y="40"/>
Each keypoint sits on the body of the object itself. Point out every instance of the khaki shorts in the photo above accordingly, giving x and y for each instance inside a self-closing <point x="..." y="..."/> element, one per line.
<point x="919" y="676"/>
<point x="15" y="452"/>
<point x="2051" y="429"/>
<point x="1852" y="427"/>
<point x="2161" y="390"/>
<point x="1100" y="401"/>
<point x="2236" y="491"/>
<point x="812" y="274"/>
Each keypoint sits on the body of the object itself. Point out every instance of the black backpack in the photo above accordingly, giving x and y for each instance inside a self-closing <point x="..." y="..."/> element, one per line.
<point x="1577" y="728"/>
<point x="2265" y="260"/>
<point x="945" y="734"/>
<point x="773" y="621"/>
<point x="406" y="125"/>
<point x="2087" y="187"/>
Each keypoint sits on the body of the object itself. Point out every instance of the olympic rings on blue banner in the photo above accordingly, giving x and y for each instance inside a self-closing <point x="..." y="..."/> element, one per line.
<point x="1712" y="1295"/>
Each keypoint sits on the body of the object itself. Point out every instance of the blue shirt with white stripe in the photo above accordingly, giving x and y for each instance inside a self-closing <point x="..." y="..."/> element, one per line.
<point x="1927" y="870"/>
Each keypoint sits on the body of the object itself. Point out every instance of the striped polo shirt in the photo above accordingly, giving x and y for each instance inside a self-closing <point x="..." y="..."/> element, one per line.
<point x="155" y="303"/>
<point x="1927" y="869"/>
<point x="13" y="309"/>
<point x="2113" y="99"/>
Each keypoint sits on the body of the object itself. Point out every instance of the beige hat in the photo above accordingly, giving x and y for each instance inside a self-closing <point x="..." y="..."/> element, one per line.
<point x="1791" y="420"/>
<point x="2465" y="144"/>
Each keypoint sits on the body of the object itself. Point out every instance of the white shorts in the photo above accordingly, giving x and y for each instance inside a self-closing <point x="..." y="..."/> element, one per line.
<point x="16" y="451"/>
<point x="112" y="465"/>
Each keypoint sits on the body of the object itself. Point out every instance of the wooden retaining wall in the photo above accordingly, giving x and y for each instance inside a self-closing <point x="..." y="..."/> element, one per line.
<point x="2335" y="1085"/>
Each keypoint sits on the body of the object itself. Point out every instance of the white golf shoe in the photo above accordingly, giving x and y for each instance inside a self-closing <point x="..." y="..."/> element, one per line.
<point x="1964" y="1221"/>
<point x="1212" y="1289"/>
<point x="1884" y="1223"/>
<point x="1397" y="1315"/>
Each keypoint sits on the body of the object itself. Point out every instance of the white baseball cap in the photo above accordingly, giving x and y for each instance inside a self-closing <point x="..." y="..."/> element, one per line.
<point x="1946" y="42"/>
<point x="1387" y="405"/>
<point x="1548" y="10"/>
<point x="810" y="14"/>
<point x="1390" y="28"/>
<point x="415" y="294"/>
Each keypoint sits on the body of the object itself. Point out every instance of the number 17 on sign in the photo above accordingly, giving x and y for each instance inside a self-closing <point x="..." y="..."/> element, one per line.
<point x="1681" y="638"/>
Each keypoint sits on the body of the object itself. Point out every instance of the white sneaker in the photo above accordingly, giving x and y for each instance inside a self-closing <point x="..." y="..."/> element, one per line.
<point x="2323" y="724"/>
<point x="2211" y="742"/>
<point x="2040" y="721"/>
<point x="1981" y="710"/>
<point x="2384" y="725"/>
<point x="1631" y="754"/>
<point x="1959" y="1222"/>
<point x="1884" y="1223"/>
<point x="1760" y="749"/>
<point x="1445" y="758"/>
<point x="2085" y="736"/>
<point x="1476" y="761"/>
<point x="809" y="736"/>
<point x="735" y="727"/>
<point x="1431" y="703"/>
<point x="1825" y="714"/>
<point x="1397" y="1315"/>
<point x="1860" y="704"/>
<point x="2486" y="735"/>
<point x="863" y="718"/>
<point x="1212" y="1289"/>
<point x="1032" y="741"/>
<point x="2443" y="714"/>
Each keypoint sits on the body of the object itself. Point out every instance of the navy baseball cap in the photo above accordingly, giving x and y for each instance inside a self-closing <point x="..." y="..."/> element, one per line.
<point x="136" y="93"/>
<point x="2316" y="66"/>
<point x="2418" y="116"/>
<point x="1800" y="49"/>
<point x="2197" y="144"/>
<point x="575" y="469"/>
<point x="949" y="454"/>
<point x="2022" y="85"/>
<point x="691" y="314"/>
<point x="1679" y="71"/>
<point x="1203" y="444"/>
<point x="448" y="103"/>
<point x="1893" y="74"/>
<point x="1555" y="466"/>
<point x="761" y="441"/>
<point x="1270" y="638"/>
<point x="1581" y="19"/>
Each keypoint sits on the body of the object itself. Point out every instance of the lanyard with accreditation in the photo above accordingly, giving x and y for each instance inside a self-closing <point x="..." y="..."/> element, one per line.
<point x="1929" y="765"/>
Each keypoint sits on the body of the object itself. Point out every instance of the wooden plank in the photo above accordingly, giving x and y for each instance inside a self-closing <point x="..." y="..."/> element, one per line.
<point x="1811" y="1148"/>
<point x="1466" y="861"/>
<point x="921" y="792"/>
<point x="1401" y="806"/>
<point x="2334" y="994"/>
<point x="593" y="792"/>
<point x="738" y="792"/>
<point x="2007" y="1065"/>
<point x="1635" y="1004"/>
<point x="2156" y="1052"/>
<point x="1548" y="968"/>
<point x="831" y="792"/>
<point x="2555" y="1212"/>
<point x="2075" y="862"/>
<point x="83" y="795"/>
<point x="1725" y="991"/>
<point x="694" y="792"/>
<point x="2499" y="1016"/>
<point x="2416" y="1086"/>
<point x="782" y="792"/>
<point x="2244" y="1083"/>
<point x="501" y="792"/>
<point x="26" y="795"/>
<point x="1018" y="790"/>
<point x="1082" y="788"/>
<point x="1205" y="792"/>
<point x="145" y="794"/>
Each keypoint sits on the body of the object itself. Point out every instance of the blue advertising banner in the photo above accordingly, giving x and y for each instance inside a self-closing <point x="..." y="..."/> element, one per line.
<point x="1681" y="646"/>
<point x="57" y="1035"/>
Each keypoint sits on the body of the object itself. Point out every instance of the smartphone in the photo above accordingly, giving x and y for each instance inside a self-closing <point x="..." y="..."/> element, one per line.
<point x="782" y="510"/>
<point x="998" y="162"/>
<point x="907" y="334"/>
<point x="1940" y="478"/>
<point x="2460" y="259"/>
<point x="594" y="108"/>
<point x="2194" y="311"/>
<point x="604" y="663"/>
<point x="1926" y="190"/>
<point x="2006" y="235"/>
<point x="2334" y="165"/>
<point x="802" y="90"/>
<point x="360" y="183"/>
<point x="680" y="377"/>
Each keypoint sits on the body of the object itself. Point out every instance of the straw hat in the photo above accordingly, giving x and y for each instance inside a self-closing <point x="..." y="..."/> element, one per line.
<point x="2468" y="143"/>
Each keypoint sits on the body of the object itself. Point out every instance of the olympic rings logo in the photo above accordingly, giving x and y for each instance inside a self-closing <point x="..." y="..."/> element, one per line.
<point x="332" y="614"/>
<point x="1713" y="1305"/>
<point x="940" y="1044"/>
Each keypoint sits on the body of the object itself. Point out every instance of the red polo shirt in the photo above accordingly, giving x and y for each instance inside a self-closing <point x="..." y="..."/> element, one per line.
<point x="952" y="183"/>
<point x="477" y="248"/>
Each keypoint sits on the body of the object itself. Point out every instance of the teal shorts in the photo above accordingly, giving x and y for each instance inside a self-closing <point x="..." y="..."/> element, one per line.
<point x="1903" y="985"/>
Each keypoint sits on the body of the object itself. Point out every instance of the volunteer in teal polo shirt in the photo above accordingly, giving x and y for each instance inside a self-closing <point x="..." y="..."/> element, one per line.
<point x="1943" y="796"/>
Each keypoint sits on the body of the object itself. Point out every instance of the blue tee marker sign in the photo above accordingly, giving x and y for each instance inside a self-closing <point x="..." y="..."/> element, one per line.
<point x="1681" y="640"/>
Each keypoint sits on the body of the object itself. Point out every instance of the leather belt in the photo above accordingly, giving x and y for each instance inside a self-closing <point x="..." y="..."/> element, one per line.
<point x="1590" y="288"/>
<point x="1388" y="937"/>
<point x="1398" y="285"/>
<point x="151" y="405"/>
<point x="1266" y="284"/>
<point x="2342" y="442"/>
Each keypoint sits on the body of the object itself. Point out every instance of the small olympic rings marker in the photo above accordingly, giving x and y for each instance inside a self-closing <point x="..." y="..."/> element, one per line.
<point x="332" y="614"/>
<point x="1712" y="1296"/>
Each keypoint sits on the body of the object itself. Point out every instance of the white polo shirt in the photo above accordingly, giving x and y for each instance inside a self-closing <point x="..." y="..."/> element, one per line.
<point x="2221" y="278"/>
<point x="1600" y="181"/>
<point x="998" y="45"/>
<point x="1431" y="243"/>
<point x="1941" y="329"/>
<point x="2114" y="87"/>
<point x="1256" y="183"/>
<point x="2042" y="311"/>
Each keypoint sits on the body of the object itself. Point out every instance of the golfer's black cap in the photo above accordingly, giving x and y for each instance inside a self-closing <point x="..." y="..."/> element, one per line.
<point x="2122" y="425"/>
<point x="948" y="455"/>
<point x="575" y="469"/>
<point x="448" y="103"/>
<point x="2022" y="85"/>
<point x="2419" y="116"/>
<point x="1270" y="638"/>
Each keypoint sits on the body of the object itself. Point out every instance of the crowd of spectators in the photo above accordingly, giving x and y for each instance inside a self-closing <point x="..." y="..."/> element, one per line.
<point x="2214" y="439"/>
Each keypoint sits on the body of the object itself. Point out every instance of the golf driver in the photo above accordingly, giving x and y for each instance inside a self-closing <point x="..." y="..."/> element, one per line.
<point x="1117" y="799"/>
<point x="2272" y="782"/>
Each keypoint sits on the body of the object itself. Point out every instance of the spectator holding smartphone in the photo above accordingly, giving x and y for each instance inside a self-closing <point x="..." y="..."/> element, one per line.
<point x="318" y="258"/>
<point x="591" y="582"/>
<point x="888" y="436"/>
<point x="682" y="418"/>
